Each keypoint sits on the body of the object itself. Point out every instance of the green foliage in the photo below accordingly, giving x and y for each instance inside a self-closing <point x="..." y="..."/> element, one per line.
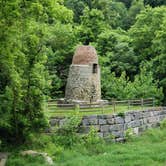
<point x="143" y="86"/>
<point x="61" y="40"/>
<point x="77" y="7"/>
<point x="121" y="114"/>
<point x="92" y="24"/>
<point x="93" y="142"/>
<point x="155" y="3"/>
<point x="163" y="124"/>
<point x="136" y="7"/>
<point x="129" y="134"/>
<point x="92" y="138"/>
<point x="148" y="41"/>
<point x="24" y="80"/>
<point x="17" y="160"/>
<point x="116" y="52"/>
<point x="147" y="149"/>
<point x="66" y="135"/>
<point x="37" y="41"/>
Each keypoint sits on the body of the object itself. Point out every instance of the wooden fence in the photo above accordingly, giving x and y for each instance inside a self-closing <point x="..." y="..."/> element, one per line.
<point x="109" y="106"/>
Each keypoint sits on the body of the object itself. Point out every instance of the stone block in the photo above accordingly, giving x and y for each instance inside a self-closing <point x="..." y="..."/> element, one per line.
<point x="162" y="112"/>
<point x="142" y="128"/>
<point x="155" y="113"/>
<point x="106" y="134"/>
<point x="93" y="121"/>
<point x="85" y="122"/>
<point x="136" y="130"/>
<point x="104" y="128"/>
<point x="137" y="115"/>
<point x="111" y="121"/>
<point x="118" y="134"/>
<point x="162" y="117"/>
<point x="84" y="129"/>
<point x="109" y="116"/>
<point x="141" y="122"/>
<point x="119" y="139"/>
<point x="133" y="124"/>
<point x="62" y="122"/>
<point x="54" y="122"/>
<point x="119" y="120"/>
<point x="116" y="127"/>
<point x="127" y="118"/>
<point x="151" y="120"/>
<point x="151" y="113"/>
<point x="96" y="127"/>
<point x="102" y="122"/>
<point x="146" y="114"/>
<point x="148" y="126"/>
<point x="145" y="121"/>
<point x="102" y="116"/>
<point x="100" y="134"/>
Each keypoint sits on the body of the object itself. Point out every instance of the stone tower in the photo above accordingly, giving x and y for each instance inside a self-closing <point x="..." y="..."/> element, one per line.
<point x="83" y="83"/>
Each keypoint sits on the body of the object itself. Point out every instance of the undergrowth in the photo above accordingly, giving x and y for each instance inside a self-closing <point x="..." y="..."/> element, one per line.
<point x="90" y="149"/>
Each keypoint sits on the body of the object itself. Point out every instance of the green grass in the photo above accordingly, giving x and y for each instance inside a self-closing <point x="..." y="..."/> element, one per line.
<point x="146" y="150"/>
<point x="17" y="160"/>
<point x="58" y="111"/>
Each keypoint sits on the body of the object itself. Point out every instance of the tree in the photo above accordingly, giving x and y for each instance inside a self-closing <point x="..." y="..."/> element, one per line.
<point x="92" y="24"/>
<point x="115" y="13"/>
<point x="62" y="41"/>
<point x="121" y="87"/>
<point x="155" y="3"/>
<point x="148" y="40"/>
<point x="159" y="62"/>
<point x="77" y="7"/>
<point x="24" y="27"/>
<point x="116" y="52"/>
<point x="144" y="86"/>
<point x="126" y="2"/>
<point x="113" y="87"/>
<point x="144" y="31"/>
<point x="136" y="7"/>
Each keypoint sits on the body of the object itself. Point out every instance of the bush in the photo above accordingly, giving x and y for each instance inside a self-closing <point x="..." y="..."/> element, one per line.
<point x="163" y="124"/>
<point x="66" y="135"/>
<point x="121" y="114"/>
<point x="129" y="133"/>
<point x="93" y="142"/>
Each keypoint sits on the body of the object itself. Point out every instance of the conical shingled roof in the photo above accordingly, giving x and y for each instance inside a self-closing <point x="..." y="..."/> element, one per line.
<point x="85" y="55"/>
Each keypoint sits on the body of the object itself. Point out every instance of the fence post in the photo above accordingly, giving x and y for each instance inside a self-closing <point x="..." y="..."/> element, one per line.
<point x="153" y="100"/>
<point x="128" y="104"/>
<point x="113" y="103"/>
<point x="102" y="108"/>
<point x="142" y="103"/>
<point x="77" y="107"/>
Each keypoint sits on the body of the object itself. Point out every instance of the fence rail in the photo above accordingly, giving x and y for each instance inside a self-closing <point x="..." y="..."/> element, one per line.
<point x="106" y="107"/>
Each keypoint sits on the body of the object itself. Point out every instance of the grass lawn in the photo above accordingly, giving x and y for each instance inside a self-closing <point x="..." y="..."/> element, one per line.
<point x="58" y="111"/>
<point x="149" y="149"/>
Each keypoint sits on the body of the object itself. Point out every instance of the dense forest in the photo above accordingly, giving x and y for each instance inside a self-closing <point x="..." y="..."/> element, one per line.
<point x="38" y="39"/>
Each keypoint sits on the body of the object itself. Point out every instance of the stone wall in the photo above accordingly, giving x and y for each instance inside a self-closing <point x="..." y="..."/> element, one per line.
<point x="115" y="125"/>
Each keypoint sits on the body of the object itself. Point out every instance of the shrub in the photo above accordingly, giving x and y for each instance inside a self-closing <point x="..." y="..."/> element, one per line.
<point x="93" y="142"/>
<point x="163" y="124"/>
<point x="66" y="135"/>
<point x="129" y="133"/>
<point x="121" y="114"/>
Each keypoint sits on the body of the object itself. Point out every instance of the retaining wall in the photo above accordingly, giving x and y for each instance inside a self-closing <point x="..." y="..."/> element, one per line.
<point x="115" y="125"/>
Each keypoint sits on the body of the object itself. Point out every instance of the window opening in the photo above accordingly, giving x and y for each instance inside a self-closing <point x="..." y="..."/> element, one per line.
<point x="94" y="68"/>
